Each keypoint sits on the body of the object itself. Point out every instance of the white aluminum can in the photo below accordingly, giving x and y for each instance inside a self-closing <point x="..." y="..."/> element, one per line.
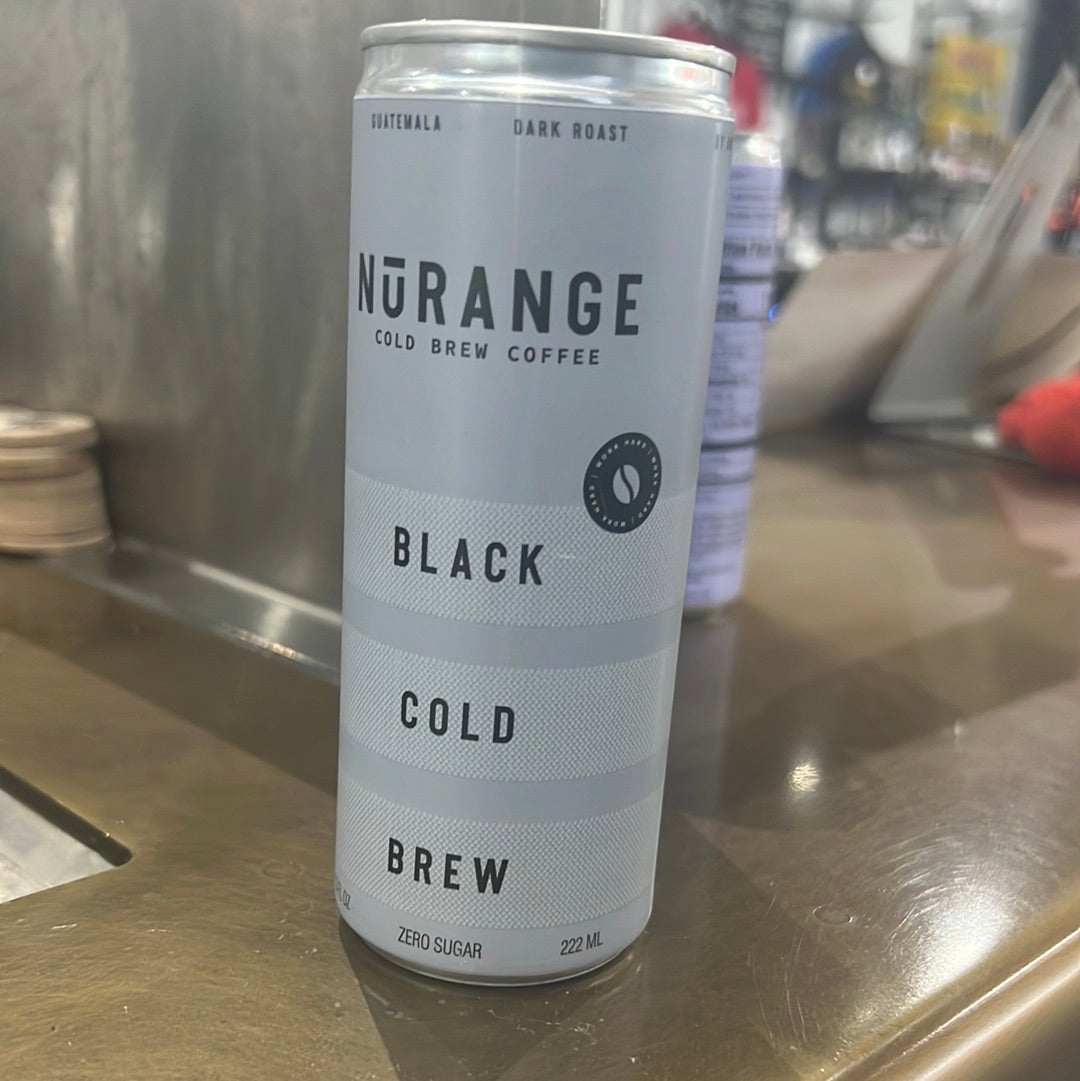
<point x="721" y="521"/>
<point x="751" y="243"/>
<point x="535" y="244"/>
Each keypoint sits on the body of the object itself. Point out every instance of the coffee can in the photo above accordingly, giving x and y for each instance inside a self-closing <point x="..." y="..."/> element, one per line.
<point x="535" y="243"/>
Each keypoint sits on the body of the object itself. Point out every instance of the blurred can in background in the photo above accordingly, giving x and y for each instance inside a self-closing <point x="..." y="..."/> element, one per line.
<point x="751" y="244"/>
<point x="536" y="232"/>
<point x="733" y="401"/>
<point x="721" y="518"/>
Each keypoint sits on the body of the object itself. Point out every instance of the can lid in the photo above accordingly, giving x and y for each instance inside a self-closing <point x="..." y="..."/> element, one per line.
<point x="430" y="31"/>
<point x="757" y="148"/>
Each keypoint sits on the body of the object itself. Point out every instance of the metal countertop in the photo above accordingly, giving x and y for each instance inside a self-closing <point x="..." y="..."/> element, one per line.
<point x="869" y="861"/>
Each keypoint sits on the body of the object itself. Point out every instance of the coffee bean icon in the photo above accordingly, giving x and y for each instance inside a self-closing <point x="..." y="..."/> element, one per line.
<point x="622" y="482"/>
<point x="626" y="484"/>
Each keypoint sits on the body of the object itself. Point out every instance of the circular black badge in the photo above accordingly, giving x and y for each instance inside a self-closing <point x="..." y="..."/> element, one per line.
<point x="622" y="482"/>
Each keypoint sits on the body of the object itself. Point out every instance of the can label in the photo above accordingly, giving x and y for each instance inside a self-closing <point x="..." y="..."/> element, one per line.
<point x="734" y="396"/>
<point x="721" y="520"/>
<point x="530" y="310"/>
<point x="478" y="733"/>
<point x="751" y="248"/>
<point x="743" y="301"/>
<point x="518" y="564"/>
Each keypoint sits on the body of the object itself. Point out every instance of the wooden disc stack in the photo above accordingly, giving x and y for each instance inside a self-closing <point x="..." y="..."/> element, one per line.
<point x="51" y="499"/>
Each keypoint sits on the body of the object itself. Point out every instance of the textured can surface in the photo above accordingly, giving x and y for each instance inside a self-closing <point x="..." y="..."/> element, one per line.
<point x="721" y="520"/>
<point x="529" y="257"/>
<point x="751" y="244"/>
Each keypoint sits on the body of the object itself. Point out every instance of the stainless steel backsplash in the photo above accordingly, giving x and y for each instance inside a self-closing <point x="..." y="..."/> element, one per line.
<point x="174" y="180"/>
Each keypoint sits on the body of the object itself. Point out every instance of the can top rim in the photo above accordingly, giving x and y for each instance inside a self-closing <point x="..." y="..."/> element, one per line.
<point x="431" y="31"/>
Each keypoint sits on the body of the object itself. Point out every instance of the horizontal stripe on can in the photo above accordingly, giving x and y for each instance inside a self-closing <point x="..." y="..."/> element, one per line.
<point x="563" y="722"/>
<point x="588" y="576"/>
<point x="554" y="872"/>
<point x="513" y="647"/>
<point x="501" y="801"/>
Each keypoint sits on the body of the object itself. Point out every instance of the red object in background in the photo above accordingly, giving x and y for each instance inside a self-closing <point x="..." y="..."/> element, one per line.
<point x="748" y="84"/>
<point x="1045" y="421"/>
<point x="1025" y="409"/>
<point x="1065" y="214"/>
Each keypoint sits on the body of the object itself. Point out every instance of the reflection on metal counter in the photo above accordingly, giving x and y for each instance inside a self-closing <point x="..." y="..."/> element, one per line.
<point x="870" y="851"/>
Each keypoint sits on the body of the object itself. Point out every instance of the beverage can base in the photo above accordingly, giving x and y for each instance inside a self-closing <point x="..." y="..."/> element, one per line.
<point x="434" y="972"/>
<point x="706" y="612"/>
<point x="502" y="956"/>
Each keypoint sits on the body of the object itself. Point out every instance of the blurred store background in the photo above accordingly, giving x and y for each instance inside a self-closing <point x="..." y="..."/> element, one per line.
<point x="894" y="115"/>
<point x="173" y="208"/>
